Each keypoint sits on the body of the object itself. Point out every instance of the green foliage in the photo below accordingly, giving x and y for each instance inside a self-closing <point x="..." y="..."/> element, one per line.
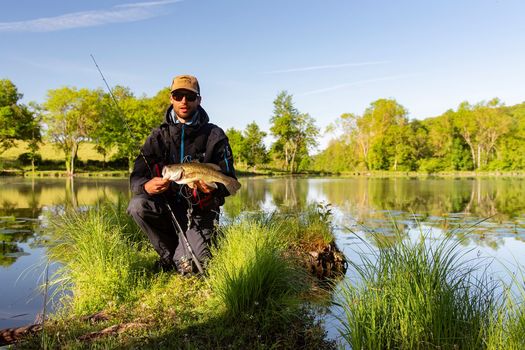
<point x="126" y="124"/>
<point x="17" y="121"/>
<point x="28" y="157"/>
<point x="484" y="136"/>
<point x="71" y="115"/>
<point x="415" y="295"/>
<point x="248" y="145"/>
<point x="337" y="157"/>
<point x="481" y="126"/>
<point x="253" y="298"/>
<point x="254" y="150"/>
<point x="236" y="143"/>
<point x="295" y="132"/>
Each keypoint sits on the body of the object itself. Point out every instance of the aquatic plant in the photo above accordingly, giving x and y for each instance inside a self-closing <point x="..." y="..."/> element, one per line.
<point x="417" y="295"/>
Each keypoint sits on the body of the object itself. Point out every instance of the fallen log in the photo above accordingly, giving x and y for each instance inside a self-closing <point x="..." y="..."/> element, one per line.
<point x="12" y="335"/>
<point x="111" y="331"/>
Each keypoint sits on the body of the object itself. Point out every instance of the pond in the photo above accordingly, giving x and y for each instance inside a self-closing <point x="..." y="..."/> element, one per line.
<point x="488" y="213"/>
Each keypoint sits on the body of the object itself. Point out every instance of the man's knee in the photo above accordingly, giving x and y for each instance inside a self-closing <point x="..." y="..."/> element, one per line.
<point x="138" y="206"/>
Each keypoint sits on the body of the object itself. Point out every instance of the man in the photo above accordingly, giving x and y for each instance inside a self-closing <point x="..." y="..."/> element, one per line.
<point x="186" y="135"/>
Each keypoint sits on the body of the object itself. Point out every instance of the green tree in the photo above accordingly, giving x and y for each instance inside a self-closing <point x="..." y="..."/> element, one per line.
<point x="295" y="132"/>
<point x="70" y="116"/>
<point x="236" y="141"/>
<point x="127" y="121"/>
<point x="33" y="143"/>
<point x="511" y="148"/>
<point x="17" y="121"/>
<point x="253" y="148"/>
<point x="481" y="126"/>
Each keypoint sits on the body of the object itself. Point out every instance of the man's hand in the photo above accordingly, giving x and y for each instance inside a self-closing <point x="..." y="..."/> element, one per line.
<point x="202" y="186"/>
<point x="157" y="185"/>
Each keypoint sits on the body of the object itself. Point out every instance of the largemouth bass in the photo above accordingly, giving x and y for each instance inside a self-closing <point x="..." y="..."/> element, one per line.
<point x="208" y="172"/>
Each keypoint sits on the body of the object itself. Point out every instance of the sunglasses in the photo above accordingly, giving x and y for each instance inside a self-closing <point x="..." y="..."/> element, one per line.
<point x="179" y="95"/>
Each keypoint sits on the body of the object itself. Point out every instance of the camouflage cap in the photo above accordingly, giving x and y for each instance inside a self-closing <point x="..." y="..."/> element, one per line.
<point x="187" y="82"/>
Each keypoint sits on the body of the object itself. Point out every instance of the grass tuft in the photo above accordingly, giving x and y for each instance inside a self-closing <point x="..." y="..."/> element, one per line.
<point x="99" y="250"/>
<point x="416" y="295"/>
<point x="251" y="272"/>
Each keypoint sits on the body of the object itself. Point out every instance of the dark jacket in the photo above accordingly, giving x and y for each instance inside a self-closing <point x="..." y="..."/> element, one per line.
<point x="173" y="143"/>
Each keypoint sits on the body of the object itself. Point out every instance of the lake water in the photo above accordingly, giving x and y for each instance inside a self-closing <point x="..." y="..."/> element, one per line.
<point x="488" y="213"/>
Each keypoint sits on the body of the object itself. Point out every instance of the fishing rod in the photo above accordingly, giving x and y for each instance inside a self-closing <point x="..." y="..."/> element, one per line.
<point x="174" y="221"/>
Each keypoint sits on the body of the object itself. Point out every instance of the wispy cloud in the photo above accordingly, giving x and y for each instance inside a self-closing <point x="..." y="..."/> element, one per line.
<point x="360" y="82"/>
<point x="118" y="14"/>
<point x="329" y="66"/>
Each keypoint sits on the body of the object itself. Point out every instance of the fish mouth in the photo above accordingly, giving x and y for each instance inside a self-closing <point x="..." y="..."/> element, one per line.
<point x="171" y="175"/>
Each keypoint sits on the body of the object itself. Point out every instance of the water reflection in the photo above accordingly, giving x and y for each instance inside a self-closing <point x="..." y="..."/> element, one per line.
<point x="24" y="203"/>
<point x="452" y="205"/>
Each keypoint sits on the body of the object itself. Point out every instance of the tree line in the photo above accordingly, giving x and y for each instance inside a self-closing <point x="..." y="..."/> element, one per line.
<point x="483" y="136"/>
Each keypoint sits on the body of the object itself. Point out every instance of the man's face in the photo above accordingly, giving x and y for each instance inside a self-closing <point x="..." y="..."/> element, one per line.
<point x="185" y="103"/>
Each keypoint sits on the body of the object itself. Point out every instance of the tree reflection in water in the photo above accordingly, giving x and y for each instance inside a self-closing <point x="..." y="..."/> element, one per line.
<point x="452" y="205"/>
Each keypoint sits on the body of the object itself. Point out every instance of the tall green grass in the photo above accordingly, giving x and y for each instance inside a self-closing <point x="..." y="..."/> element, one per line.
<point x="250" y="270"/>
<point x="508" y="328"/>
<point x="418" y="295"/>
<point x="100" y="253"/>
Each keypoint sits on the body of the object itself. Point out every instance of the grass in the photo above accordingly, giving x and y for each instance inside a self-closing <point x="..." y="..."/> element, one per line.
<point x="416" y="295"/>
<point x="101" y="259"/>
<point x="508" y="327"/>
<point x="49" y="152"/>
<point x="254" y="297"/>
<point x="250" y="270"/>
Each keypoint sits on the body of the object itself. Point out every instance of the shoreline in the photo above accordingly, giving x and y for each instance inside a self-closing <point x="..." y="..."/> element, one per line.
<point x="244" y="173"/>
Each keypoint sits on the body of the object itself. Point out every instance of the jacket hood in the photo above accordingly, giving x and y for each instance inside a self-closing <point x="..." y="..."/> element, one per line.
<point x="200" y="117"/>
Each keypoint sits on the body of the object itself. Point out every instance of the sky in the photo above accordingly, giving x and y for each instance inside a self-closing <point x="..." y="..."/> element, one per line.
<point x="332" y="56"/>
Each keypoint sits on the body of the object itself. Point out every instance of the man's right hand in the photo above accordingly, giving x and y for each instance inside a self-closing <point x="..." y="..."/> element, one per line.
<point x="156" y="185"/>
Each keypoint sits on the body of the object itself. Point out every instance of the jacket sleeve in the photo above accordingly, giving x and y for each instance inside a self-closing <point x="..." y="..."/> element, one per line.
<point x="148" y="164"/>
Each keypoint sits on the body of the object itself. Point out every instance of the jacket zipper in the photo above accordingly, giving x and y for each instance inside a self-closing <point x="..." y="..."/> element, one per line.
<point x="182" y="144"/>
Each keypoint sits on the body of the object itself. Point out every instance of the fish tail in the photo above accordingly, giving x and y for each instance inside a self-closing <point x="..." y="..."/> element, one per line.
<point x="232" y="186"/>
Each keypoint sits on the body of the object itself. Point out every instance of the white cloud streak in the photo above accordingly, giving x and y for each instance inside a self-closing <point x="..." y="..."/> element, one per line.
<point x="330" y="66"/>
<point x="118" y="14"/>
<point x="360" y="82"/>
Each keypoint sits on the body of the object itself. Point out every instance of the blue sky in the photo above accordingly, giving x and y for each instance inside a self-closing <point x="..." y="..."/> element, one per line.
<point x="333" y="56"/>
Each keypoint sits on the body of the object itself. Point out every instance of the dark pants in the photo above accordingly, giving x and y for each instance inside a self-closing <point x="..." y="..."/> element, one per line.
<point x="153" y="217"/>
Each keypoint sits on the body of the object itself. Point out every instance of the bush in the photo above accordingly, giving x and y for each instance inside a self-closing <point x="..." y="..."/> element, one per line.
<point x="25" y="158"/>
<point x="431" y="165"/>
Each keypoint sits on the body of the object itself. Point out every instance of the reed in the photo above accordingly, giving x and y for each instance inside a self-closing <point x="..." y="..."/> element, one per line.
<point x="102" y="263"/>
<point x="417" y="295"/>
<point x="250" y="271"/>
<point x="508" y="327"/>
